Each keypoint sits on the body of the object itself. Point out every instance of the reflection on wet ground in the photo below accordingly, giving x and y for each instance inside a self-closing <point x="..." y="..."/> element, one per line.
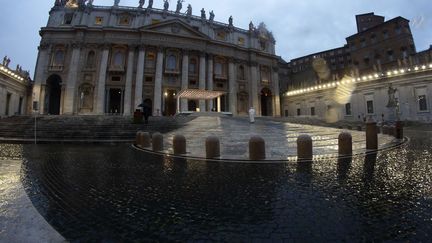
<point x="115" y="193"/>
<point x="280" y="138"/>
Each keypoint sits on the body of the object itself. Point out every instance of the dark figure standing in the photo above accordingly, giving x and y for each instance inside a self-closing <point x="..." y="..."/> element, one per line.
<point x="146" y="112"/>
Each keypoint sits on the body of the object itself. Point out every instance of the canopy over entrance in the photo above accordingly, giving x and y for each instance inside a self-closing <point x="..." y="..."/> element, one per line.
<point x="198" y="94"/>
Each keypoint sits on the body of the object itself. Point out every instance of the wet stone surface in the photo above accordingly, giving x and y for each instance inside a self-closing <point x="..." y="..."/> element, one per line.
<point x="118" y="194"/>
<point x="280" y="138"/>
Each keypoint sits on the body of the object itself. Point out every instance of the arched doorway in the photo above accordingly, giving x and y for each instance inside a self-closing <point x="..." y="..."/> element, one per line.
<point x="53" y="94"/>
<point x="192" y="105"/>
<point x="115" y="101"/>
<point x="266" y="102"/>
<point x="170" y="102"/>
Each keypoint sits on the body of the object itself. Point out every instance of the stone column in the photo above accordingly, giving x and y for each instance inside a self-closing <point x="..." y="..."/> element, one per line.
<point x="139" y="77"/>
<point x="100" y="97"/>
<point x="202" y="79"/>
<point x="41" y="67"/>
<point x="210" y="80"/>
<point x="157" y="102"/>
<point x="254" y="86"/>
<point x="219" y="104"/>
<point x="128" y="85"/>
<point x="276" y="93"/>
<point x="71" y="82"/>
<point x="185" y="79"/>
<point x="232" y="87"/>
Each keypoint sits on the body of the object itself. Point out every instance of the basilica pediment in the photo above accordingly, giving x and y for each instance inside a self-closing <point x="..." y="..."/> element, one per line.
<point x="175" y="27"/>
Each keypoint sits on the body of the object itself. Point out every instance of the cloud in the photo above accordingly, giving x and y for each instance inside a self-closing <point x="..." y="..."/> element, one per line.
<point x="300" y="27"/>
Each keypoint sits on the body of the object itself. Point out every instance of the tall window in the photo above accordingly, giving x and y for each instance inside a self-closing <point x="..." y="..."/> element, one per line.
<point x="241" y="73"/>
<point x="58" y="58"/>
<point x="348" y="111"/>
<point x="370" y="107"/>
<point x="265" y="75"/>
<point x="218" y="69"/>
<point x="421" y="99"/>
<point x="118" y="59"/>
<point x="369" y="98"/>
<point x="193" y="66"/>
<point x="90" y="59"/>
<point x="150" y="60"/>
<point x="171" y="62"/>
<point x="312" y="109"/>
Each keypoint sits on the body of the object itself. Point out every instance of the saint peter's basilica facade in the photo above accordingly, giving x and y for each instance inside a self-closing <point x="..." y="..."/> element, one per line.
<point x="112" y="59"/>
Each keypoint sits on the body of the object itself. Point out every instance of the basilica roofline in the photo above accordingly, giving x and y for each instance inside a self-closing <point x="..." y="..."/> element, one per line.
<point x="206" y="41"/>
<point x="138" y="10"/>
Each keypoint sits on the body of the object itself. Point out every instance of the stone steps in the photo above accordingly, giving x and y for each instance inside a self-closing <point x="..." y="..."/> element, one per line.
<point x="84" y="127"/>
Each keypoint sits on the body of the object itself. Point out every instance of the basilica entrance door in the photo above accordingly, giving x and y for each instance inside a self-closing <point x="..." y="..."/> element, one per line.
<point x="53" y="94"/>
<point x="266" y="102"/>
<point x="115" y="101"/>
<point x="170" y="102"/>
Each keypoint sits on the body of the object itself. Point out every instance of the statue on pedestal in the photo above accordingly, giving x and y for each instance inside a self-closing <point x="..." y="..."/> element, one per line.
<point x="212" y="15"/>
<point x="4" y="60"/>
<point x="150" y="5"/>
<point x="203" y="14"/>
<point x="116" y="2"/>
<point x="230" y="21"/>
<point x="189" y="10"/>
<point x="141" y="3"/>
<point x="179" y="6"/>
<point x="251" y="26"/>
<point x="166" y="5"/>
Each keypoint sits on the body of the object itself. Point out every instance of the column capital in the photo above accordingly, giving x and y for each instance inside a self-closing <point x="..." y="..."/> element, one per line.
<point x="133" y="47"/>
<point x="160" y="49"/>
<point x="142" y="47"/>
<point x="275" y="68"/>
<point x="231" y="60"/>
<point x="185" y="52"/>
<point x="76" y="45"/>
<point x="44" y="46"/>
<point x="105" y="46"/>
<point x="253" y="64"/>
<point x="202" y="54"/>
<point x="210" y="56"/>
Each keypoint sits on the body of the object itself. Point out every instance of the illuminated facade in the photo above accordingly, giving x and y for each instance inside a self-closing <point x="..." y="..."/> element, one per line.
<point x="378" y="63"/>
<point x="109" y="60"/>
<point x="15" y="91"/>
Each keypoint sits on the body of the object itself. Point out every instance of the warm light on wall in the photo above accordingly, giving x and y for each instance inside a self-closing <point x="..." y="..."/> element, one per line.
<point x="365" y="78"/>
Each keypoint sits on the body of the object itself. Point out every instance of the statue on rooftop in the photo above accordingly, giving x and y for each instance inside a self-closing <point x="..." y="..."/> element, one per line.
<point x="58" y="3"/>
<point x="166" y="5"/>
<point x="116" y="2"/>
<point x="179" y="6"/>
<point x="203" y="14"/>
<point x="150" y="5"/>
<point x="189" y="10"/>
<point x="212" y="15"/>
<point x="230" y="21"/>
<point x="141" y="3"/>
<point x="7" y="62"/>
<point x="4" y="60"/>
<point x="251" y="26"/>
<point x="90" y="3"/>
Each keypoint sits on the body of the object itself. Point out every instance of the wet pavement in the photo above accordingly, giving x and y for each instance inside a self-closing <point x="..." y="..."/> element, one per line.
<point x="102" y="193"/>
<point x="280" y="138"/>
<point x="19" y="219"/>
